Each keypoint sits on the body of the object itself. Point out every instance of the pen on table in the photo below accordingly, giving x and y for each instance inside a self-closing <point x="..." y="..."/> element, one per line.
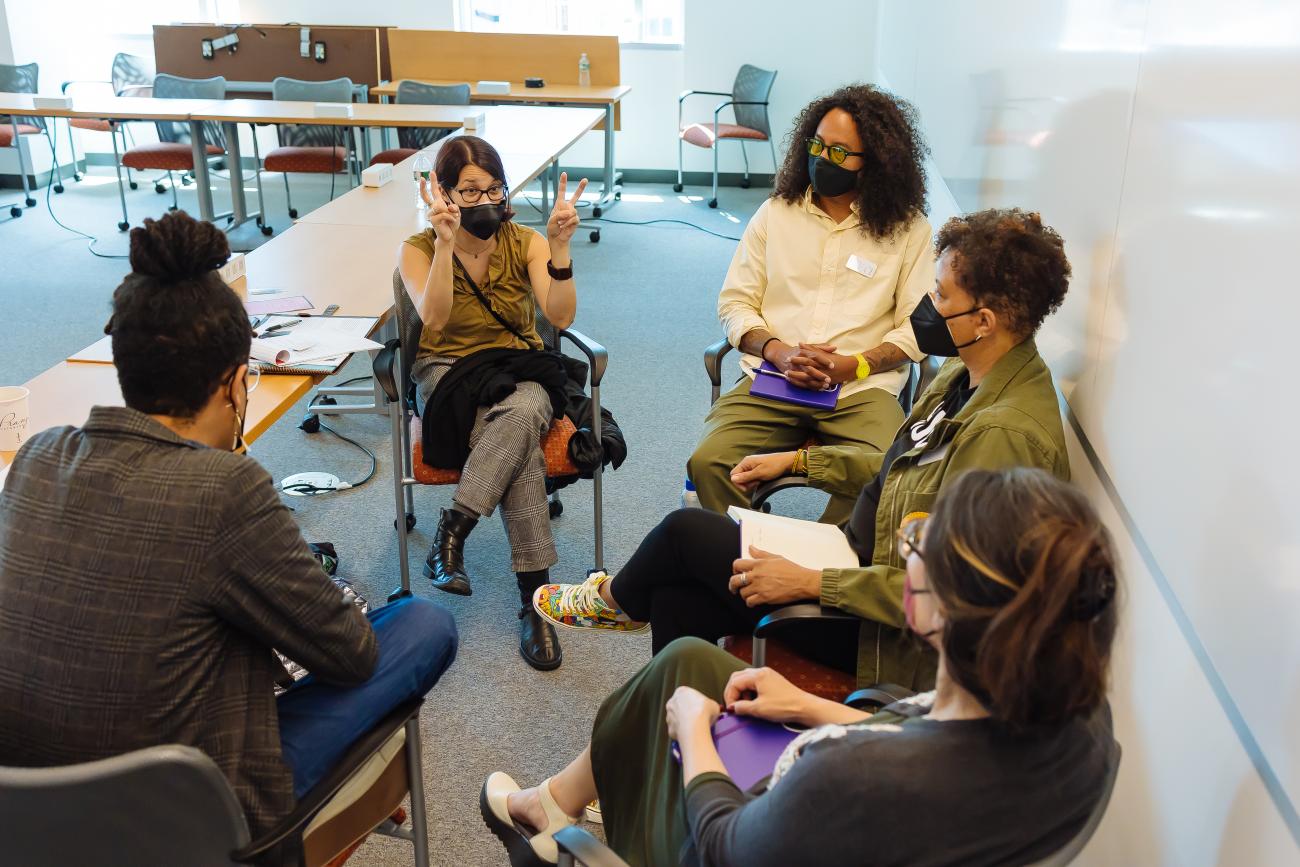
<point x="279" y="326"/>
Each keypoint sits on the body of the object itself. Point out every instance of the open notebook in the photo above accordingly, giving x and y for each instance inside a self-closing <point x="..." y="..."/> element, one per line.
<point x="312" y="344"/>
<point x="808" y="543"/>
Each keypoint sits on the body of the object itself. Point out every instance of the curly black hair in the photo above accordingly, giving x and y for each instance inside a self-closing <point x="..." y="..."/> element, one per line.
<point x="178" y="330"/>
<point x="891" y="184"/>
<point x="1009" y="262"/>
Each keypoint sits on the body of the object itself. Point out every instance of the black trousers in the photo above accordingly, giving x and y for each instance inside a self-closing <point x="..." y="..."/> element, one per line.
<point x="677" y="580"/>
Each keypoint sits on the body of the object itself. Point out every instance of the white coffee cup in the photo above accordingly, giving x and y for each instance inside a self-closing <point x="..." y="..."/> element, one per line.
<point x="14" y="416"/>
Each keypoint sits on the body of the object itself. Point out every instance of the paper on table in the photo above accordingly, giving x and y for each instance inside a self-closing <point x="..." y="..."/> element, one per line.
<point x="808" y="543"/>
<point x="313" y="339"/>
<point x="99" y="352"/>
<point x="278" y="304"/>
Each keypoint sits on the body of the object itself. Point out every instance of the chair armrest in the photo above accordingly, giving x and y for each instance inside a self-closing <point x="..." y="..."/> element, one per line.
<point x="384" y="367"/>
<point x="765" y="490"/>
<point x="713" y="360"/>
<point x="585" y="848"/>
<point x="312" y="802"/>
<point x="137" y="90"/>
<point x="596" y="354"/>
<point x="686" y="93"/>
<point x="799" y="611"/>
<point x="877" y="695"/>
<point x="63" y="88"/>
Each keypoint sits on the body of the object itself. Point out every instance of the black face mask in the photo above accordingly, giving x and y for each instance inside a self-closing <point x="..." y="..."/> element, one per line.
<point x="931" y="329"/>
<point x="482" y="221"/>
<point x="829" y="179"/>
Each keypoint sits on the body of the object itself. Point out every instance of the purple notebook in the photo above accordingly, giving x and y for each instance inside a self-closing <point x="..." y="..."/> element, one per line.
<point x="748" y="747"/>
<point x="775" y="387"/>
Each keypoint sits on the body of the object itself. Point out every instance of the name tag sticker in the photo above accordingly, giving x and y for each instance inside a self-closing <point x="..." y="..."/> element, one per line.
<point x="932" y="456"/>
<point x="862" y="266"/>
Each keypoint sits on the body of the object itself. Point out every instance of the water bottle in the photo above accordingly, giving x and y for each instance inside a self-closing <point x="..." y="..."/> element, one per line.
<point x="584" y="71"/>
<point x="690" y="499"/>
<point x="423" y="169"/>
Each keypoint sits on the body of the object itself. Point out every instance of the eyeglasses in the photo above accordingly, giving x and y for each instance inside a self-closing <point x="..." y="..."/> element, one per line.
<point x="836" y="153"/>
<point x="495" y="193"/>
<point x="909" y="538"/>
<point x="252" y="378"/>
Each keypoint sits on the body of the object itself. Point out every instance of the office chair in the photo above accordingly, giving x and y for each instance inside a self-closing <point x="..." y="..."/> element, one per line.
<point x="748" y="101"/>
<point x="146" y="806"/>
<point x="23" y="79"/>
<point x="392" y="369"/>
<point x="308" y="148"/>
<point x="130" y="76"/>
<point x="578" y="847"/>
<point x="413" y="139"/>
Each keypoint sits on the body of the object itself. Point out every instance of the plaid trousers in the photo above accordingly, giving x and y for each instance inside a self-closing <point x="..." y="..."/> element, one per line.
<point x="505" y="465"/>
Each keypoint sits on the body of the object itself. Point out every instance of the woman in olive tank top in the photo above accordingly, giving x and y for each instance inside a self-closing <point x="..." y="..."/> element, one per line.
<point x="477" y="281"/>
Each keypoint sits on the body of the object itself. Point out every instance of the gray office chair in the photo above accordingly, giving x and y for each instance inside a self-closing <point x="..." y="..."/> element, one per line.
<point x="748" y="100"/>
<point x="412" y="139"/>
<point x="23" y="79"/>
<point x="173" y="152"/>
<point x="578" y="846"/>
<point x="144" y="807"/>
<point x="309" y="148"/>
<point x="131" y="76"/>
<point x="392" y="370"/>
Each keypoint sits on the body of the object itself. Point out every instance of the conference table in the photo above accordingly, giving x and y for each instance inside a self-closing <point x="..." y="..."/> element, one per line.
<point x="606" y="96"/>
<point x="343" y="253"/>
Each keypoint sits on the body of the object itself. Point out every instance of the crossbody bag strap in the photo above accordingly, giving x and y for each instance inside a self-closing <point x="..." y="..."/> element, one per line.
<point x="478" y="293"/>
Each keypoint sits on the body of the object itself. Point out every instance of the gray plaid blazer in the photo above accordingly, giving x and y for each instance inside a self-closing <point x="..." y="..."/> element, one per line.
<point x="144" y="579"/>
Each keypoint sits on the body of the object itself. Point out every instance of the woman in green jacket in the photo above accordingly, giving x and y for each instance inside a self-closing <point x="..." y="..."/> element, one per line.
<point x="993" y="405"/>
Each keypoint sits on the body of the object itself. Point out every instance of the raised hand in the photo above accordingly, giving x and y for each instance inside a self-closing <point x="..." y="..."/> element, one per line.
<point x="563" y="221"/>
<point x="443" y="216"/>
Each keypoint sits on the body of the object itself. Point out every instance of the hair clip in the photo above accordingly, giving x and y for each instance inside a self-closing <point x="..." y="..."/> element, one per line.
<point x="1093" y="598"/>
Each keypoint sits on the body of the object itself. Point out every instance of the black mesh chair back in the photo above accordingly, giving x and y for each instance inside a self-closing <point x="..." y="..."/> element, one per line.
<point x="409" y="328"/>
<point x="20" y="79"/>
<point x="145" y="807"/>
<point x="417" y="93"/>
<point x="131" y="72"/>
<point x="175" y="87"/>
<point x="753" y="85"/>
<point x="310" y="135"/>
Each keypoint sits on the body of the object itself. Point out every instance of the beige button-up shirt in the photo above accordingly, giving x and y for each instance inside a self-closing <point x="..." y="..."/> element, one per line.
<point x="804" y="277"/>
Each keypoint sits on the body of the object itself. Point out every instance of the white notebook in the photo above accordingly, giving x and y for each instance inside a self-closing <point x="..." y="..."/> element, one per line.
<point x="808" y="543"/>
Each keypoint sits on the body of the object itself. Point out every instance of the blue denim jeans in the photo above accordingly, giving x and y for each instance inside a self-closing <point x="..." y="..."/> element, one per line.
<point x="319" y="721"/>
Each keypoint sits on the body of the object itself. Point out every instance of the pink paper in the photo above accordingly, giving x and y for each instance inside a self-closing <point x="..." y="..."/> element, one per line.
<point x="290" y="304"/>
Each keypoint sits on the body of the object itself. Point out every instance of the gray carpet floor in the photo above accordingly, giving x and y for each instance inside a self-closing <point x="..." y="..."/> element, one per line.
<point x="648" y="292"/>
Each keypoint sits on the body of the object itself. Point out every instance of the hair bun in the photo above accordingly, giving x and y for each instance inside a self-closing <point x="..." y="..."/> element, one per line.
<point x="177" y="248"/>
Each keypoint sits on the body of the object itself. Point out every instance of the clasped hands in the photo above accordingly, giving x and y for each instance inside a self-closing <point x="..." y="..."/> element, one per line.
<point x="811" y="365"/>
<point x="756" y="692"/>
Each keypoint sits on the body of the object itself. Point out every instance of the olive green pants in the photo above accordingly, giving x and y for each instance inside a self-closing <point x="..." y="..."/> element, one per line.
<point x="740" y="425"/>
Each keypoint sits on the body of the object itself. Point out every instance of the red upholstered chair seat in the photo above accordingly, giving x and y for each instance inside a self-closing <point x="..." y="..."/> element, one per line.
<point x="7" y="132"/>
<point x="90" y="123"/>
<point x="555" y="447"/>
<point x="820" y="680"/>
<point x="309" y="160"/>
<point x="701" y="134"/>
<point x="393" y="155"/>
<point x="164" y="155"/>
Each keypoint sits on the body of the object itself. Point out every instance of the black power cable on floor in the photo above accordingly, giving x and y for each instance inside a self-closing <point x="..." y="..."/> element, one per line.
<point x="91" y="240"/>
<point x="307" y="489"/>
<point x="639" y="222"/>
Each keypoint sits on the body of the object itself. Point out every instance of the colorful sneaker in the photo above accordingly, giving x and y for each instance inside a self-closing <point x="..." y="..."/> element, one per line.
<point x="579" y="606"/>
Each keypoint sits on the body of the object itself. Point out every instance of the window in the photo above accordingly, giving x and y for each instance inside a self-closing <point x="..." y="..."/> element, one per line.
<point x="645" y="21"/>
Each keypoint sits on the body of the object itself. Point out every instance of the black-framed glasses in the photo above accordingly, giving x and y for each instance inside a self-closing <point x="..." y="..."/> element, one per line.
<point x="495" y="194"/>
<point x="836" y="153"/>
<point x="909" y="538"/>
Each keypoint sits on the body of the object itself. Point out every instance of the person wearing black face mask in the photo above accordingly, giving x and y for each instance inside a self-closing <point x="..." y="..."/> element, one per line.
<point x="476" y="279"/>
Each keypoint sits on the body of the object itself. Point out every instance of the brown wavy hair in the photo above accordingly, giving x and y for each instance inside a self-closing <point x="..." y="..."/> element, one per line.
<point x="1025" y="574"/>
<point x="1009" y="262"/>
<point x="891" y="184"/>
<point x="470" y="150"/>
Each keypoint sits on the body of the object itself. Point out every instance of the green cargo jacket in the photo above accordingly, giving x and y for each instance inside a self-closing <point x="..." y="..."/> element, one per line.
<point x="1012" y="420"/>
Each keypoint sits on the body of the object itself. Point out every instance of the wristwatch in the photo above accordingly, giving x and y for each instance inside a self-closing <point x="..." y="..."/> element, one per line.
<point x="559" y="273"/>
<point x="864" y="369"/>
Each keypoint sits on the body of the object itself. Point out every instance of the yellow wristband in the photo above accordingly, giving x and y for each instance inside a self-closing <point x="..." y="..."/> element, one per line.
<point x="864" y="369"/>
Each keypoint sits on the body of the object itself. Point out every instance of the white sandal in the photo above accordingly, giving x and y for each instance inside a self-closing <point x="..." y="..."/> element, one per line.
<point x="524" y="847"/>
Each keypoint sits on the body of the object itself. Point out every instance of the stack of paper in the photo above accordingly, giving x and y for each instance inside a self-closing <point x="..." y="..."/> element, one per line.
<point x="313" y="344"/>
<point x="808" y="543"/>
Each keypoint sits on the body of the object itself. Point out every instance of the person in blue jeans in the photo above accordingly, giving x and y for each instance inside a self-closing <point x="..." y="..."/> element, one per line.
<point x="149" y="570"/>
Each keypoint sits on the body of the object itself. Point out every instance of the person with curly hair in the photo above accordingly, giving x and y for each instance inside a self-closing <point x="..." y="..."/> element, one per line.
<point x="148" y="569"/>
<point x="820" y="287"/>
<point x="1000" y="273"/>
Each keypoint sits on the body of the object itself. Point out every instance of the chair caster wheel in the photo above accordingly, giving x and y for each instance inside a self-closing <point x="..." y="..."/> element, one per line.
<point x="556" y="508"/>
<point x="159" y="189"/>
<point x="713" y="203"/>
<point x="766" y="508"/>
<point x="185" y="181"/>
<point x="58" y="188"/>
<point x="77" y="177"/>
<point x="134" y="185"/>
<point x="744" y="183"/>
<point x="15" y="211"/>
<point x="293" y="213"/>
<point x="595" y="236"/>
<point x="267" y="230"/>
<point x="410" y="523"/>
<point x="597" y="211"/>
<point x="171" y="207"/>
<point x="123" y="226"/>
<point x="677" y="188"/>
<point x="31" y="203"/>
<point x="399" y="593"/>
<point x="618" y="196"/>
<point x="311" y="424"/>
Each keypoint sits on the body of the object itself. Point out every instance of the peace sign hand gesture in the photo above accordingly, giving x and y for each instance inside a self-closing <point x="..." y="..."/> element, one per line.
<point x="564" y="216"/>
<point x="443" y="215"/>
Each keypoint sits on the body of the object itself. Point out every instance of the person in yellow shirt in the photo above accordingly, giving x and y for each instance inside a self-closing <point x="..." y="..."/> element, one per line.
<point x="821" y="287"/>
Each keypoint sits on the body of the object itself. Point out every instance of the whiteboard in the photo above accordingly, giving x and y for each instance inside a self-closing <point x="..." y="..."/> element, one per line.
<point x="1162" y="139"/>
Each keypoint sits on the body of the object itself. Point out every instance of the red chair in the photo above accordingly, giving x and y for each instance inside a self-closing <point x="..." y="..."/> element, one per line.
<point x="23" y="79"/>
<point x="748" y="101"/>
<point x="309" y="148"/>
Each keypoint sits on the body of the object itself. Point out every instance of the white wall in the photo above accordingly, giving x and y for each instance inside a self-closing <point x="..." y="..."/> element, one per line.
<point x="1159" y="138"/>
<point x="6" y="47"/>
